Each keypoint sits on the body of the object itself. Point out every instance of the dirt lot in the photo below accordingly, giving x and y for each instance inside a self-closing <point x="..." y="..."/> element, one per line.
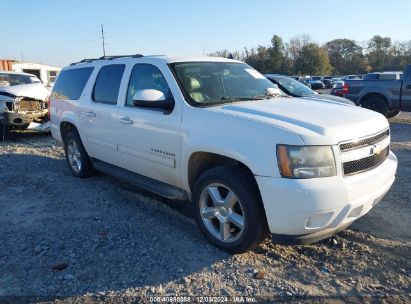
<point x="95" y="239"/>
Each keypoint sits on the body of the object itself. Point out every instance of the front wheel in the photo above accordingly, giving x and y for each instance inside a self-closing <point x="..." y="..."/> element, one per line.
<point x="229" y="210"/>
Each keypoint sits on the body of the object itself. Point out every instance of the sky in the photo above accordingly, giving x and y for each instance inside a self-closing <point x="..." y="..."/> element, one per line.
<point x="58" y="32"/>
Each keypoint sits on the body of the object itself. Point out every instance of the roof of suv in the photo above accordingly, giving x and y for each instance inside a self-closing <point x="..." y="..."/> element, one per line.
<point x="167" y="59"/>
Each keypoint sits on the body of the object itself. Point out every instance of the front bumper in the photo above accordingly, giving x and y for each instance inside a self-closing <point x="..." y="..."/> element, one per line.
<point x="319" y="207"/>
<point x="21" y="119"/>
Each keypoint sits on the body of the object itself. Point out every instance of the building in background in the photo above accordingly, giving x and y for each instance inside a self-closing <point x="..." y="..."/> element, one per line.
<point x="45" y="73"/>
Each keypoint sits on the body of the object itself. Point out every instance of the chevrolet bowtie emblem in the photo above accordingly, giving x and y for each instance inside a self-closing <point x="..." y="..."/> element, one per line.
<point x="376" y="149"/>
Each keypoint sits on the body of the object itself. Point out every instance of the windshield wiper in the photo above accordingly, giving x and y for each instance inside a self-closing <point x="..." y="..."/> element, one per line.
<point x="228" y="99"/>
<point x="240" y="98"/>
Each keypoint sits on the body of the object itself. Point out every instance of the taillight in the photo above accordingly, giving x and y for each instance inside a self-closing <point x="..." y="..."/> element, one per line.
<point x="346" y="89"/>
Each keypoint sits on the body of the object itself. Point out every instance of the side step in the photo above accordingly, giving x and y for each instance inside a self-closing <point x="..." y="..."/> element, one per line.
<point x="140" y="181"/>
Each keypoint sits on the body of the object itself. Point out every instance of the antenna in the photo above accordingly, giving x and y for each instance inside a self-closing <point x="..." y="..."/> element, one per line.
<point x="102" y="37"/>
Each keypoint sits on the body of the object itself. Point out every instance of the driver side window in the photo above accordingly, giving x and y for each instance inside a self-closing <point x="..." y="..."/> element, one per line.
<point x="146" y="76"/>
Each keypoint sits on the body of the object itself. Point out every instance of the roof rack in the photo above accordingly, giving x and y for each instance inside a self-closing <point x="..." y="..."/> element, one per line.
<point x="106" y="58"/>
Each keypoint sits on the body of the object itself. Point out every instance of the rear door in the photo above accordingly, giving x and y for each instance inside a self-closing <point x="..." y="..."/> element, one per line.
<point x="100" y="120"/>
<point x="406" y="90"/>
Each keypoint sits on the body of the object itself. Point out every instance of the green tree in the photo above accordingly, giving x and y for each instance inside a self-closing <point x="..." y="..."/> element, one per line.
<point x="226" y="53"/>
<point x="313" y="60"/>
<point x="258" y="58"/>
<point x="276" y="54"/>
<point x="378" y="56"/>
<point x="346" y="57"/>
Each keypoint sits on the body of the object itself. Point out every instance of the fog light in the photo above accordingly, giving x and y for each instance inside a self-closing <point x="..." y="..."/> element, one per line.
<point x="355" y="212"/>
<point x="318" y="220"/>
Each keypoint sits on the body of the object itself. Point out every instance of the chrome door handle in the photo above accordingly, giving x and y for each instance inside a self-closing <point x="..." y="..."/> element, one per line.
<point x="89" y="114"/>
<point x="126" y="121"/>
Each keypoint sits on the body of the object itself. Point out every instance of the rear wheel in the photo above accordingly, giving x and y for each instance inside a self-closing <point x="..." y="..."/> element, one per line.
<point x="377" y="104"/>
<point x="229" y="210"/>
<point x="77" y="158"/>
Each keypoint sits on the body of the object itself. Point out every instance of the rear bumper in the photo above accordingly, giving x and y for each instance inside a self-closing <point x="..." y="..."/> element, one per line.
<point x="320" y="207"/>
<point x="55" y="132"/>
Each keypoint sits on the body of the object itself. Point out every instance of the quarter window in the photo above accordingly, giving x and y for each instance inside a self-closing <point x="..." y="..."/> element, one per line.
<point x="146" y="76"/>
<point x="108" y="83"/>
<point x="70" y="83"/>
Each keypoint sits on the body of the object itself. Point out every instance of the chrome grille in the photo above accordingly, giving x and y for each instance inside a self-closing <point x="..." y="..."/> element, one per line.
<point x="364" y="142"/>
<point x="366" y="163"/>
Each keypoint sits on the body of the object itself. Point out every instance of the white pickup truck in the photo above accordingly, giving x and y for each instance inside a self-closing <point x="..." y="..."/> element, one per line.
<point x="215" y="131"/>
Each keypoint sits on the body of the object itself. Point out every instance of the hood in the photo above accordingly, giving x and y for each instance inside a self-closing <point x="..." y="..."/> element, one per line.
<point x="32" y="90"/>
<point x="315" y="121"/>
<point x="326" y="97"/>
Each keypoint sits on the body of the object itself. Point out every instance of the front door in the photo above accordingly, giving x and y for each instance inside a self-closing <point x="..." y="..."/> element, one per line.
<point x="149" y="139"/>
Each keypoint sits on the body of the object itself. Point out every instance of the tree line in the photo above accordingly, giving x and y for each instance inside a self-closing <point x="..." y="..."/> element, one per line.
<point x="302" y="56"/>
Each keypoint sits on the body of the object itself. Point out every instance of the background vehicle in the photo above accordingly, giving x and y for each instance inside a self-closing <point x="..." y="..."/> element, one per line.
<point x="294" y="88"/>
<point x="383" y="76"/>
<point x="387" y="97"/>
<point x="22" y="101"/>
<point x="328" y="83"/>
<point x="320" y="78"/>
<point x="338" y="87"/>
<point x="316" y="84"/>
<point x="351" y="77"/>
<point x="182" y="128"/>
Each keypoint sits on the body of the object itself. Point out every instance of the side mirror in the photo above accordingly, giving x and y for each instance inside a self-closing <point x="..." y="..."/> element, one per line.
<point x="150" y="98"/>
<point x="275" y="91"/>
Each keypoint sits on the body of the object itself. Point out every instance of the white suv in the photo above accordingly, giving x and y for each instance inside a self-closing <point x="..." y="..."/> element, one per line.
<point x="218" y="133"/>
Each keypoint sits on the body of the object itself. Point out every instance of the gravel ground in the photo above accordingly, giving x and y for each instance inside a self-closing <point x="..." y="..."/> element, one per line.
<point x="65" y="239"/>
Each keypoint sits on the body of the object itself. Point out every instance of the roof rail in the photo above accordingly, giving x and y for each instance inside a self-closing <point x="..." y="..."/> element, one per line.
<point x="106" y="58"/>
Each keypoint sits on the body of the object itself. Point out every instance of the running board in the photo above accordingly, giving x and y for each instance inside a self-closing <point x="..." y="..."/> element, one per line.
<point x="140" y="181"/>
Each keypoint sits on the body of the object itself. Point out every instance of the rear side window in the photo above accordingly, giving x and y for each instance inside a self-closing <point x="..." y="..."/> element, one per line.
<point x="70" y="83"/>
<point x="108" y="83"/>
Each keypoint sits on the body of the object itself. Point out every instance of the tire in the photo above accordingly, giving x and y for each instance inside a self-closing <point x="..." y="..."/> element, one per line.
<point x="77" y="158"/>
<point x="236" y="223"/>
<point x="376" y="104"/>
<point x="392" y="114"/>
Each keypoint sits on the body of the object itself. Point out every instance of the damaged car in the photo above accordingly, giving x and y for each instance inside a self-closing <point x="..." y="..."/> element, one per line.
<point x="23" y="100"/>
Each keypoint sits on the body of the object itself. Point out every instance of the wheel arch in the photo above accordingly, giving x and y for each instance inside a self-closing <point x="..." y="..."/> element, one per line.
<point x="370" y="95"/>
<point x="201" y="161"/>
<point x="66" y="127"/>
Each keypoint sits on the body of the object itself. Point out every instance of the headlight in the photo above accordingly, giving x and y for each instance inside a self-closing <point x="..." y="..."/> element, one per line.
<point x="306" y="161"/>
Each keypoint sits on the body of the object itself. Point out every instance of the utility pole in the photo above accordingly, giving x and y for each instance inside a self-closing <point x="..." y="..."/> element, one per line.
<point x="102" y="37"/>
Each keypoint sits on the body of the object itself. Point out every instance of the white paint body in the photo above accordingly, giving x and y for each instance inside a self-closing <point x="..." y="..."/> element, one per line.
<point x="246" y="131"/>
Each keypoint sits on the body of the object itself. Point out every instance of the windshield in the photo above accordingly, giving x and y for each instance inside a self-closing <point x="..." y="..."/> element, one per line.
<point x="8" y="80"/>
<point x="294" y="87"/>
<point x="209" y="83"/>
